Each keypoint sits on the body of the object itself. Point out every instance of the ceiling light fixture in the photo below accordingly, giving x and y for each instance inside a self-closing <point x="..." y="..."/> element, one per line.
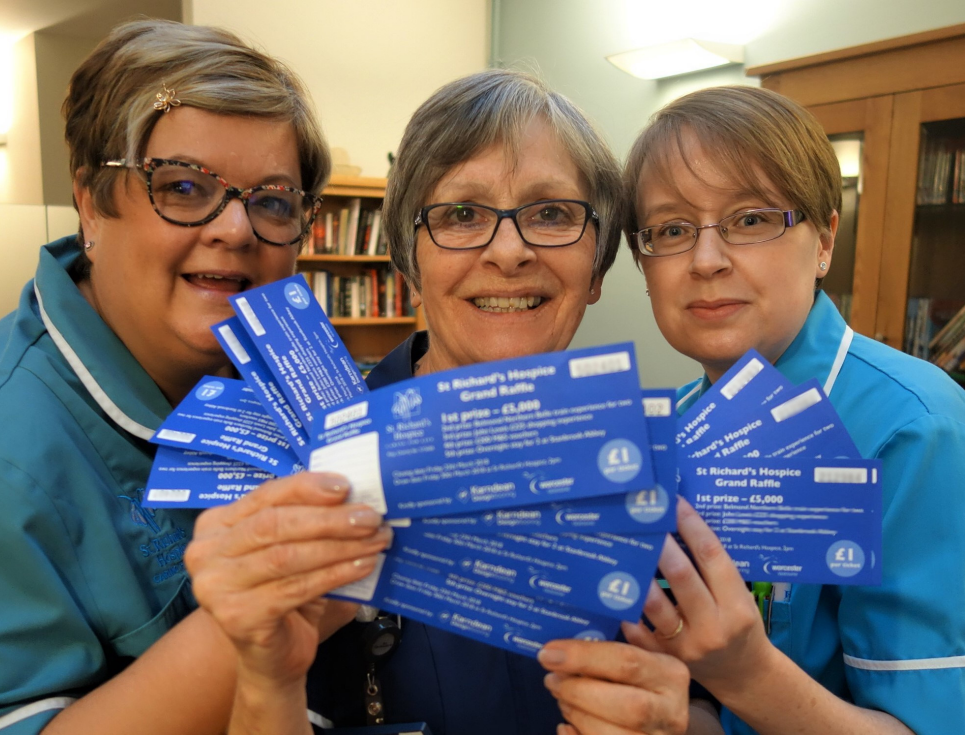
<point x="676" y="57"/>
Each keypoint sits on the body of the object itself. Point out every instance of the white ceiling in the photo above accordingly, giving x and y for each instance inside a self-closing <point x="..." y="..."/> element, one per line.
<point x="84" y="18"/>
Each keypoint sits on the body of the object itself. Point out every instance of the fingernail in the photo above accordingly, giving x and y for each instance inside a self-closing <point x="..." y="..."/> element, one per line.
<point x="551" y="656"/>
<point x="331" y="483"/>
<point x="365" y="517"/>
<point x="551" y="682"/>
<point x="684" y="506"/>
<point x="384" y="535"/>
<point x="365" y="561"/>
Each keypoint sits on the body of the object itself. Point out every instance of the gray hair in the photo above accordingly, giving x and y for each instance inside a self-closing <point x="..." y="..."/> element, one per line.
<point x="470" y="114"/>
<point x="110" y="111"/>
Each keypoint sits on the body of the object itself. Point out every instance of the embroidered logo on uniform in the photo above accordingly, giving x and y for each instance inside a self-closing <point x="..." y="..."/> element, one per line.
<point x="139" y="514"/>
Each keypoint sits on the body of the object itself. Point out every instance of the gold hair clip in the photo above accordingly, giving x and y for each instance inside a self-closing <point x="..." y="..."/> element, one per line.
<point x="166" y="99"/>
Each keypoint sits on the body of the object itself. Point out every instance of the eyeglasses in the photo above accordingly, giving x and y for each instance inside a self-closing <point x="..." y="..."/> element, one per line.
<point x="552" y="223"/>
<point x="190" y="195"/>
<point x="743" y="228"/>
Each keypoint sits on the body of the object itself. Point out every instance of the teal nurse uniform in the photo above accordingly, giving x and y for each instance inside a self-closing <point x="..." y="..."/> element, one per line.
<point x="900" y="647"/>
<point x="88" y="578"/>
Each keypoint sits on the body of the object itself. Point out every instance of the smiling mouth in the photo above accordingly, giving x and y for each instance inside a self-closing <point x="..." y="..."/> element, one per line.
<point x="502" y="304"/>
<point x="215" y="282"/>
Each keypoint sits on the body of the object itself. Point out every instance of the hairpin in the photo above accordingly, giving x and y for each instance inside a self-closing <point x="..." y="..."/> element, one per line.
<point x="166" y="99"/>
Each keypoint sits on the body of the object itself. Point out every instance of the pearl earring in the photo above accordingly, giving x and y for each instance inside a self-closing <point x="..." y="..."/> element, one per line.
<point x="88" y="245"/>
<point x="823" y="266"/>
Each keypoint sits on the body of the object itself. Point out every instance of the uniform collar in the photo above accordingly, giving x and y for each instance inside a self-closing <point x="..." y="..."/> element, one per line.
<point x="399" y="363"/>
<point x="820" y="346"/>
<point x="115" y="380"/>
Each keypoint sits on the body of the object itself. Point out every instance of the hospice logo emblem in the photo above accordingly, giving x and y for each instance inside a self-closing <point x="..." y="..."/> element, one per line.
<point x="209" y="390"/>
<point x="648" y="506"/>
<point x="619" y="591"/>
<point x="845" y="558"/>
<point x="297" y="295"/>
<point x="590" y="635"/>
<point x="619" y="460"/>
<point x="139" y="514"/>
<point x="407" y="404"/>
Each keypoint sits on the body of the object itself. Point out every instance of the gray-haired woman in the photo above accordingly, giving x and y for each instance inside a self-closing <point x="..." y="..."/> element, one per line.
<point x="161" y="120"/>
<point x="494" y="146"/>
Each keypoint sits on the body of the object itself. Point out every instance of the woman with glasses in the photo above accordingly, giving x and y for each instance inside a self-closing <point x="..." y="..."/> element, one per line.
<point x="197" y="164"/>
<point x="735" y="194"/>
<point x="503" y="213"/>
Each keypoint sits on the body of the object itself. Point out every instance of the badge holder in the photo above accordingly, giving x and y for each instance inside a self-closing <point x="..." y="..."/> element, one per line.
<point x="380" y="639"/>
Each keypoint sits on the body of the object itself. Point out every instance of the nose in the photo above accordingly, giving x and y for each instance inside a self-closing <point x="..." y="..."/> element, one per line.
<point x="506" y="250"/>
<point x="231" y="227"/>
<point x="709" y="255"/>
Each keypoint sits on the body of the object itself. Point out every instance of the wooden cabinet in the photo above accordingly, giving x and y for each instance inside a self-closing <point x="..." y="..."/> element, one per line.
<point x="368" y="337"/>
<point x="894" y="96"/>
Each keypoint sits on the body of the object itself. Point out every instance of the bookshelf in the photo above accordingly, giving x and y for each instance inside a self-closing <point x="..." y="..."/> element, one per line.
<point x="903" y="100"/>
<point x="350" y="272"/>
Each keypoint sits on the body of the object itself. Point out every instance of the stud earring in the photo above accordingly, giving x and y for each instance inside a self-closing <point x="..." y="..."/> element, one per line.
<point x="88" y="245"/>
<point x="823" y="266"/>
<point x="648" y="292"/>
<point x="592" y="291"/>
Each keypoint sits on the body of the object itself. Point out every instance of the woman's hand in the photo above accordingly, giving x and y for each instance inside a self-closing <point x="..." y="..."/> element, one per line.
<point x="716" y="628"/>
<point x="607" y="688"/>
<point x="260" y="565"/>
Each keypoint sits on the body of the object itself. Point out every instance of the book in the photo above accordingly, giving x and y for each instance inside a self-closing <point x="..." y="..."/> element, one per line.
<point x="352" y="226"/>
<point x="376" y="231"/>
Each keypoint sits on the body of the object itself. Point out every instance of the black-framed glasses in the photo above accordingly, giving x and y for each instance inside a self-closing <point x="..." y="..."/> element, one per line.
<point x="742" y="228"/>
<point x="190" y="195"/>
<point x="551" y="223"/>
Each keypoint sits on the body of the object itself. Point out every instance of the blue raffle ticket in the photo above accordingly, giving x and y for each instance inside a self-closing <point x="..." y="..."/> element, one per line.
<point x="301" y="349"/>
<point x="420" y="590"/>
<point x="555" y="426"/>
<point x="648" y="511"/>
<point x="188" y="479"/>
<point x="222" y="416"/>
<point x="602" y="573"/>
<point x="793" y="520"/>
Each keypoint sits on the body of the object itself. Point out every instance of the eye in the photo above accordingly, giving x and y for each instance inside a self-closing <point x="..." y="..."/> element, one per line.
<point x="672" y="230"/>
<point x="278" y="205"/>
<point x="463" y="215"/>
<point x="181" y="187"/>
<point x="749" y="219"/>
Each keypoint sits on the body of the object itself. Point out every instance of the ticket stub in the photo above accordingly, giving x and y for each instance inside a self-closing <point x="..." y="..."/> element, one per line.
<point x="803" y="423"/>
<point x="222" y="416"/>
<point x="189" y="479"/>
<point x="815" y="521"/>
<point x="539" y="428"/>
<point x="477" y="610"/>
<point x="750" y="383"/>
<point x="250" y="365"/>
<point x="299" y="345"/>
<point x="605" y="573"/>
<point x="649" y="511"/>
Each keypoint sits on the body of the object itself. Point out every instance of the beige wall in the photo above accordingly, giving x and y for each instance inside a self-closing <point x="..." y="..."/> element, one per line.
<point x="21" y="181"/>
<point x="25" y="227"/>
<point x="367" y="63"/>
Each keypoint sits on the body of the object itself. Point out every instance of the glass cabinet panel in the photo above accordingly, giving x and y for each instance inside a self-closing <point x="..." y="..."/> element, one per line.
<point x="935" y="319"/>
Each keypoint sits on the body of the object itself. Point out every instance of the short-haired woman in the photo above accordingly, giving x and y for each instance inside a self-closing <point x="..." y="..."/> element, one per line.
<point x="185" y="144"/>
<point x="735" y="194"/>
<point x="503" y="213"/>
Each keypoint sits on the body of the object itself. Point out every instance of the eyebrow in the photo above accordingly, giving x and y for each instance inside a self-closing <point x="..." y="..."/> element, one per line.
<point x="281" y="179"/>
<point x="740" y="200"/>
<point x="535" y="191"/>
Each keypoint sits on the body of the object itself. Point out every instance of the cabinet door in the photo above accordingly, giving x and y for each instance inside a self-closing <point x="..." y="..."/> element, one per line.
<point x="923" y="255"/>
<point x="853" y="281"/>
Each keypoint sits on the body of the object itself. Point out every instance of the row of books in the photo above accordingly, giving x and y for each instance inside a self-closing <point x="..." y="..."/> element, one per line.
<point x="353" y="230"/>
<point x="947" y="347"/>
<point x="378" y="292"/>
<point x="941" y="171"/>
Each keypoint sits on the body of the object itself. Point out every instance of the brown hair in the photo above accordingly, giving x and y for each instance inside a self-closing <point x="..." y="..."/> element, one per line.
<point x="468" y="115"/>
<point x="751" y="133"/>
<point x="110" y="112"/>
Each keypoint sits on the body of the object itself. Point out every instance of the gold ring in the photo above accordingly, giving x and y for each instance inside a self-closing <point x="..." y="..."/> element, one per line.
<point x="676" y="631"/>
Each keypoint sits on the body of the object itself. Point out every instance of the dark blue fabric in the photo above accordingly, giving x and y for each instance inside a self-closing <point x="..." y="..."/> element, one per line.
<point x="456" y="685"/>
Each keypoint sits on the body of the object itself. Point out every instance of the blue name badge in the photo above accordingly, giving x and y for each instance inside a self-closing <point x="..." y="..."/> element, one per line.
<point x="299" y="345"/>
<point x="188" y="479"/>
<point x="750" y="383"/>
<point x="648" y="511"/>
<point x="815" y="521"/>
<point x="545" y="427"/>
<point x="248" y="362"/>
<point x="222" y="416"/>
<point x="603" y="573"/>
<point x="803" y="424"/>
<point x="477" y="610"/>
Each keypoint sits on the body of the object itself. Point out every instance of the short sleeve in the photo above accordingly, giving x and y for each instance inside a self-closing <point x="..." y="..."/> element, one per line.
<point x="904" y="642"/>
<point x="49" y="651"/>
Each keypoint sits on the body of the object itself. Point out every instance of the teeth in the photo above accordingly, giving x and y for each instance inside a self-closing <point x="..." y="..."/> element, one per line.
<point x="502" y="304"/>
<point x="220" y="278"/>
